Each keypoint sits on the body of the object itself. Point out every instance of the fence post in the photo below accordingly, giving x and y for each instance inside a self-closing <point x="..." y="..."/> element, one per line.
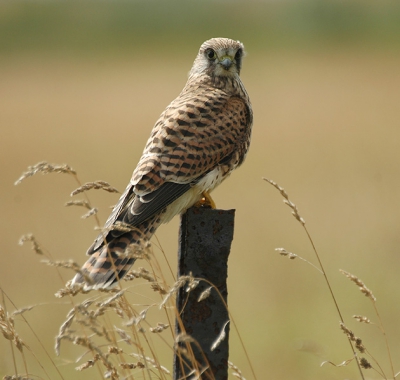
<point x="204" y="246"/>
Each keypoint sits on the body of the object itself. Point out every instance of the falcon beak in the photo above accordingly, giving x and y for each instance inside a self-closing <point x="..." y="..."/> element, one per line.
<point x="226" y="62"/>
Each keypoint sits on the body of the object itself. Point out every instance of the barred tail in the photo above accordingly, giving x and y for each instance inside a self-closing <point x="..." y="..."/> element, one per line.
<point x="111" y="261"/>
<point x="108" y="265"/>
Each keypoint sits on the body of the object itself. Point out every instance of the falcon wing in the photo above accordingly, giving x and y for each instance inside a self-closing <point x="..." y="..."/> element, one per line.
<point x="191" y="138"/>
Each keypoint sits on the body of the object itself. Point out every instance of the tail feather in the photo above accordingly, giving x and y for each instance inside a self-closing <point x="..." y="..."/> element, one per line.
<point x="104" y="268"/>
<point x="111" y="254"/>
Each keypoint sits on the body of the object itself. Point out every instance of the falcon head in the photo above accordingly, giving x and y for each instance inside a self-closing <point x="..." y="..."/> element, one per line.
<point x="219" y="57"/>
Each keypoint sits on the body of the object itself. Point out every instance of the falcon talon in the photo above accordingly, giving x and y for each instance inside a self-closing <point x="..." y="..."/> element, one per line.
<point x="200" y="138"/>
<point x="204" y="203"/>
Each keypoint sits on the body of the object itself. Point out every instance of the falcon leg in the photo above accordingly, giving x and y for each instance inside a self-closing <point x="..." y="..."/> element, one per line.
<point x="206" y="201"/>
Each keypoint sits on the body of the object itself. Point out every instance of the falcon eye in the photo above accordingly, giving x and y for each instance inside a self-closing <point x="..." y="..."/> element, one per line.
<point x="238" y="54"/>
<point x="210" y="53"/>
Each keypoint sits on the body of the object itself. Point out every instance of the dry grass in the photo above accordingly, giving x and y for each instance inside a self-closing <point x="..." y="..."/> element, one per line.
<point x="354" y="341"/>
<point x="131" y="352"/>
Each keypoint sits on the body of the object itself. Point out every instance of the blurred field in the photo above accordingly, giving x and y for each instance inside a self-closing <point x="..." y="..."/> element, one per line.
<point x="86" y="88"/>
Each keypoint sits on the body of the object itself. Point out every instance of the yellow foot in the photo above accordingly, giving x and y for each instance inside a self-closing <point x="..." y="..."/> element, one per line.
<point x="206" y="201"/>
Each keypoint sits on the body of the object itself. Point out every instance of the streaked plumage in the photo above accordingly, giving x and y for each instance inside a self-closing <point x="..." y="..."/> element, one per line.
<point x="200" y="138"/>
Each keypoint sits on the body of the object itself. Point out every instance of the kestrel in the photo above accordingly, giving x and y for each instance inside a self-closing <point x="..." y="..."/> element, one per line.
<point x="200" y="138"/>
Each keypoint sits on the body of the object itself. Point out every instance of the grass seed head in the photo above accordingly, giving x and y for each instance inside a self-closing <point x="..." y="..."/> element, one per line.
<point x="45" y="168"/>
<point x="283" y="252"/>
<point x="205" y="294"/>
<point x="158" y="288"/>
<point x="362" y="319"/>
<point x="236" y="371"/>
<point x="82" y="203"/>
<point x="88" y="364"/>
<point x="91" y="212"/>
<point x="35" y="246"/>
<point x="220" y="338"/>
<point x="364" y="363"/>
<point x="96" y="185"/>
<point x="159" y="328"/>
<point x="358" y="341"/>
<point x="360" y="285"/>
<point x="287" y="201"/>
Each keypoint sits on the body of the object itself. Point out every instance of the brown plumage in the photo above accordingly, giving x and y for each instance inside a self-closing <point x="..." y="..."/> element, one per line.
<point x="200" y="138"/>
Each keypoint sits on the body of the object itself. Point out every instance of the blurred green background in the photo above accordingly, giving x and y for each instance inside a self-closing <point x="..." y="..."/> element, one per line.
<point x="83" y="83"/>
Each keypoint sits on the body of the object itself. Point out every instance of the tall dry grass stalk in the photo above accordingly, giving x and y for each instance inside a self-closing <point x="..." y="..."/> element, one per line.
<point x="114" y="335"/>
<point x="355" y="342"/>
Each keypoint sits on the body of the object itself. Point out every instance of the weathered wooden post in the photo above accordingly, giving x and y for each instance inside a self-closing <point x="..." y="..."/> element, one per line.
<point x="204" y="246"/>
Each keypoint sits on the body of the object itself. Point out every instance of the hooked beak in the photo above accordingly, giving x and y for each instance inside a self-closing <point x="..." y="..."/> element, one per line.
<point x="226" y="63"/>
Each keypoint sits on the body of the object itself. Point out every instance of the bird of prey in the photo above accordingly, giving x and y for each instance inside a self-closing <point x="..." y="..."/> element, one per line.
<point x="200" y="138"/>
